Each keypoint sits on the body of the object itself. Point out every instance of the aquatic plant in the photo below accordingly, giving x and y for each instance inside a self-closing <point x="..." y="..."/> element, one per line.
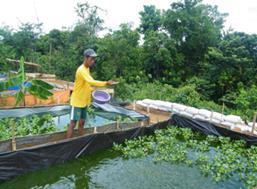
<point x="32" y="125"/>
<point x="216" y="156"/>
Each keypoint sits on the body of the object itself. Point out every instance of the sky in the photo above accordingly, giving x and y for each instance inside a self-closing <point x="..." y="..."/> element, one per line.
<point x="61" y="13"/>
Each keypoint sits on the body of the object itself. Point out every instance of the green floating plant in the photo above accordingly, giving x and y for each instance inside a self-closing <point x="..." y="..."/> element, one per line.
<point x="220" y="157"/>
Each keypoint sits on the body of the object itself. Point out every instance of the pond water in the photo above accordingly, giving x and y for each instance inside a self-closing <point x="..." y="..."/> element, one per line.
<point x="107" y="169"/>
<point x="92" y="121"/>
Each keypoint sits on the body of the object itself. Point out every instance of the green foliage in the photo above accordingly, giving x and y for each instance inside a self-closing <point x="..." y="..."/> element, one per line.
<point x="194" y="26"/>
<point x="219" y="157"/>
<point x="161" y="59"/>
<point x="183" y="46"/>
<point x="150" y="19"/>
<point x="89" y="19"/>
<point x="120" y="55"/>
<point x="231" y="63"/>
<point x="246" y="101"/>
<point x="37" y="88"/>
<point x="33" y="125"/>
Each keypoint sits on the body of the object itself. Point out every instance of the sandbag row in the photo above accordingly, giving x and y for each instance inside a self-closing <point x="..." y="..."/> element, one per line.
<point x="232" y="121"/>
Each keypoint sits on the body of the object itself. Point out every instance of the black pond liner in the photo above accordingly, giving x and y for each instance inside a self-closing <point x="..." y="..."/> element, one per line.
<point x="208" y="128"/>
<point x="15" y="163"/>
<point x="24" y="160"/>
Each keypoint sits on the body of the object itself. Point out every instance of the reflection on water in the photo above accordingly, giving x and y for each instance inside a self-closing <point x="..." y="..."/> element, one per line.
<point x="106" y="169"/>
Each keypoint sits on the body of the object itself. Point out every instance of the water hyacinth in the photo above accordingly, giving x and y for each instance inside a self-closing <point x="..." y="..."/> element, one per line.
<point x="218" y="157"/>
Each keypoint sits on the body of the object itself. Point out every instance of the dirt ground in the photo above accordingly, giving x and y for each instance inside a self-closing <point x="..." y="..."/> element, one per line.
<point x="155" y="115"/>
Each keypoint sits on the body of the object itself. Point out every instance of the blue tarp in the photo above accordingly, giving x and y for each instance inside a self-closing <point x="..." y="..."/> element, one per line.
<point x="17" y="87"/>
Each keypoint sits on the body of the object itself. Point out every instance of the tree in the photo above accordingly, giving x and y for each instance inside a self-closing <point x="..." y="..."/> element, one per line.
<point x="150" y="19"/>
<point x="89" y="19"/>
<point x="232" y="62"/>
<point x="194" y="27"/>
<point x="120" y="55"/>
<point x="25" y="39"/>
<point x="161" y="59"/>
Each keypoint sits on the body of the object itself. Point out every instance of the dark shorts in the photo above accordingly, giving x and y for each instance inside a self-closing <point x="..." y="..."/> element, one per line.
<point x="78" y="113"/>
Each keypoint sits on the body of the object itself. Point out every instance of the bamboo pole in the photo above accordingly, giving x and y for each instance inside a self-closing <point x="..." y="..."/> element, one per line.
<point x="223" y="107"/>
<point x="118" y="124"/>
<point x="95" y="130"/>
<point x="254" y="121"/>
<point x="158" y="119"/>
<point x="13" y="125"/>
<point x="134" y="105"/>
<point x="148" y="110"/>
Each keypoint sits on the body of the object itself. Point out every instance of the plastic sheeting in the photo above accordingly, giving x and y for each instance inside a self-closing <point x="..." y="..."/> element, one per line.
<point x="22" y="161"/>
<point x="106" y="110"/>
<point x="119" y="110"/>
<point x="23" y="112"/>
<point x="208" y="128"/>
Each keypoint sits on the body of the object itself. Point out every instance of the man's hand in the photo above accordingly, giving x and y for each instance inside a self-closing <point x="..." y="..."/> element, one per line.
<point x="111" y="82"/>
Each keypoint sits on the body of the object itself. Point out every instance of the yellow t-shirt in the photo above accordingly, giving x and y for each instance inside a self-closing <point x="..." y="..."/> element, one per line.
<point x="81" y="95"/>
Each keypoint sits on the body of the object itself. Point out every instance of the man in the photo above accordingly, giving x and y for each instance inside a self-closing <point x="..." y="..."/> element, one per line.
<point x="81" y="96"/>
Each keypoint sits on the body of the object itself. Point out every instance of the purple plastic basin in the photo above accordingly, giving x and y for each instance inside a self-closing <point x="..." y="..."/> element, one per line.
<point x="101" y="97"/>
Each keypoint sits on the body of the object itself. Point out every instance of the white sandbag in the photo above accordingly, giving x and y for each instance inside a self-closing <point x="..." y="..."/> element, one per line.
<point x="244" y="127"/>
<point x="174" y="110"/>
<point x="250" y="124"/>
<point x="165" y="109"/>
<point x="148" y="101"/>
<point x="162" y="108"/>
<point x="205" y="113"/>
<point x="183" y="113"/>
<point x="192" y="110"/>
<point x="153" y="106"/>
<point x="233" y="119"/>
<point x="163" y="103"/>
<point x="141" y="103"/>
<point x="156" y="102"/>
<point x="229" y="124"/>
<point x="202" y="118"/>
<point x="217" y="116"/>
<point x="215" y="121"/>
<point x="179" y="107"/>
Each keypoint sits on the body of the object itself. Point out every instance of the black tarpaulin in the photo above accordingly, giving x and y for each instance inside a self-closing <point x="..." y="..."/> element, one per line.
<point x="22" y="161"/>
<point x="208" y="128"/>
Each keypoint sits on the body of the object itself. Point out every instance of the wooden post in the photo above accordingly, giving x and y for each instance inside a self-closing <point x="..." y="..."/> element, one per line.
<point x="223" y="107"/>
<point x="211" y="115"/>
<point x="95" y="130"/>
<point x="117" y="124"/>
<point x="157" y="119"/>
<point x="148" y="110"/>
<point x="254" y="121"/>
<point x="134" y="105"/>
<point x="13" y="125"/>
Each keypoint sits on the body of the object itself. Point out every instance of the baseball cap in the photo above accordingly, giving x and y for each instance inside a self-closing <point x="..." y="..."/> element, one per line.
<point x="90" y="53"/>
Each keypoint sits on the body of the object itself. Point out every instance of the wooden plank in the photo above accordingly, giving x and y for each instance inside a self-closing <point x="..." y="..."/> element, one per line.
<point x="26" y="63"/>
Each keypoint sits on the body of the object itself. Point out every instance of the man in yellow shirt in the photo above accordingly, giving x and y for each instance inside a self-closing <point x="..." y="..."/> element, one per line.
<point x="81" y="95"/>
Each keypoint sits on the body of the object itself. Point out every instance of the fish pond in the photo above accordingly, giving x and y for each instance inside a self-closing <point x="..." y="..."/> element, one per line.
<point x="172" y="158"/>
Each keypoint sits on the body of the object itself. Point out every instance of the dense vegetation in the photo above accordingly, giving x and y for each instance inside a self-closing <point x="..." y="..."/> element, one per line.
<point x="218" y="157"/>
<point x="32" y="125"/>
<point x="182" y="47"/>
